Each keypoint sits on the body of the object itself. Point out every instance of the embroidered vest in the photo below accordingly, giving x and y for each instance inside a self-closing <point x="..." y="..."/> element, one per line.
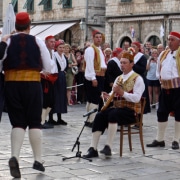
<point x="97" y="60"/>
<point x="128" y="87"/>
<point x="23" y="53"/>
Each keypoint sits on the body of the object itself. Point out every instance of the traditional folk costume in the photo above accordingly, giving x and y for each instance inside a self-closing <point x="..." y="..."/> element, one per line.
<point x="124" y="110"/>
<point x="59" y="90"/>
<point x="3" y="46"/>
<point x="25" y="57"/>
<point x="47" y="82"/>
<point x="168" y="72"/>
<point x="113" y="70"/>
<point x="95" y="68"/>
<point x="140" y="63"/>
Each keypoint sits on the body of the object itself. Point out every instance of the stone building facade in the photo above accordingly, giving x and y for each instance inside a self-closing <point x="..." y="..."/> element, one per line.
<point x="141" y="20"/>
<point x="71" y="20"/>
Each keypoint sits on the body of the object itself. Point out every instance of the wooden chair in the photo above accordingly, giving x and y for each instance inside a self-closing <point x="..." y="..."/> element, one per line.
<point x="129" y="130"/>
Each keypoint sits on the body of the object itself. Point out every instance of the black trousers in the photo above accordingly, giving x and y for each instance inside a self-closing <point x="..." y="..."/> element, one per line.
<point x="122" y="116"/>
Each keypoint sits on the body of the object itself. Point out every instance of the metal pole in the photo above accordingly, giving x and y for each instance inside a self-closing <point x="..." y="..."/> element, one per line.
<point x="86" y="21"/>
<point x="112" y="27"/>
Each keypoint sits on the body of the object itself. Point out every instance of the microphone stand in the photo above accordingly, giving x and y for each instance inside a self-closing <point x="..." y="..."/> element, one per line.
<point x="78" y="153"/>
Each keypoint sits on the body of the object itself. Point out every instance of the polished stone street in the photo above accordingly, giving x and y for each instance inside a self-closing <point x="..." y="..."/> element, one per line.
<point x="156" y="164"/>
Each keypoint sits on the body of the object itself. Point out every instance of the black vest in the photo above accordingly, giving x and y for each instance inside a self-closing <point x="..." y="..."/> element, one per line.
<point x="23" y="53"/>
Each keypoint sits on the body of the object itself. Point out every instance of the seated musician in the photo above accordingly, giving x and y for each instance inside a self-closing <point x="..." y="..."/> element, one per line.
<point x="126" y="95"/>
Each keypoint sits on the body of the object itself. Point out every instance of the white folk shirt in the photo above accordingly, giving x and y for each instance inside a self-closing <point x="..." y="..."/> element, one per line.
<point x="168" y="69"/>
<point x="89" y="59"/>
<point x="61" y="60"/>
<point x="138" y="88"/>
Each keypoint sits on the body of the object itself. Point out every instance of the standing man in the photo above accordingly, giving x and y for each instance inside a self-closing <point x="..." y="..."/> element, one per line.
<point x="95" y="68"/>
<point x="48" y="94"/>
<point x="25" y="57"/>
<point x="168" y="72"/>
<point x="126" y="92"/>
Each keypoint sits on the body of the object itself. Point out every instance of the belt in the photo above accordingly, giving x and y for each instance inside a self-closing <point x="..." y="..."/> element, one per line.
<point x="101" y="72"/>
<point x="171" y="83"/>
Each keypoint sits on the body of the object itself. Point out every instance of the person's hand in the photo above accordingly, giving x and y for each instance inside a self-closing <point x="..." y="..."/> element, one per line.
<point x="118" y="89"/>
<point x="94" y="83"/>
<point x="5" y="38"/>
<point x="105" y="96"/>
<point x="46" y="74"/>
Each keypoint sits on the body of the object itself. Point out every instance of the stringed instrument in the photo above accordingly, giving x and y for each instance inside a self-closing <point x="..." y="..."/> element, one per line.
<point x="106" y="104"/>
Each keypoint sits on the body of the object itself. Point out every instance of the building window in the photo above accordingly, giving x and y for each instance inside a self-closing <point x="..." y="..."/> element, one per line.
<point x="15" y="5"/>
<point x="29" y="5"/>
<point x="47" y="4"/>
<point x="66" y="3"/>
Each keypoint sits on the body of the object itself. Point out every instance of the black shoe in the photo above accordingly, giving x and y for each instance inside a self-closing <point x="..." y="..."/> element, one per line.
<point x="46" y="125"/>
<point x="53" y="122"/>
<point x="38" y="166"/>
<point x="89" y="124"/>
<point x="91" y="153"/>
<point x="175" y="145"/>
<point x="14" y="168"/>
<point x="61" y="122"/>
<point x="106" y="151"/>
<point x="156" y="143"/>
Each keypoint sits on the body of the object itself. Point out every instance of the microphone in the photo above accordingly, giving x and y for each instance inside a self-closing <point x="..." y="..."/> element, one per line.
<point x="90" y="112"/>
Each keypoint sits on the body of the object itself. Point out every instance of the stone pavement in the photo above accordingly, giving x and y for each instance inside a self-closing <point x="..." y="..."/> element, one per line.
<point x="156" y="164"/>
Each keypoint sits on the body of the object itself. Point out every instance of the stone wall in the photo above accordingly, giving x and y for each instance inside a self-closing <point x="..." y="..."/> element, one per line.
<point x="145" y="16"/>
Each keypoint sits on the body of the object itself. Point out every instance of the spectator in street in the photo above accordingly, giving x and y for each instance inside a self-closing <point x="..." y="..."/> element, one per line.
<point x="105" y="45"/>
<point x="95" y="68"/>
<point x="80" y="77"/>
<point x="126" y="45"/>
<point x="25" y="57"/>
<point x="160" y="48"/>
<point x="153" y="81"/>
<point x="148" y="45"/>
<point x="107" y="54"/>
<point x="127" y="87"/>
<point x="69" y="75"/>
<point x="168" y="67"/>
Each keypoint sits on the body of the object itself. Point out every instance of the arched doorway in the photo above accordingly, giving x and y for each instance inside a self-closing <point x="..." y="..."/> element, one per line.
<point x="126" y="38"/>
<point x="68" y="36"/>
<point x="154" y="40"/>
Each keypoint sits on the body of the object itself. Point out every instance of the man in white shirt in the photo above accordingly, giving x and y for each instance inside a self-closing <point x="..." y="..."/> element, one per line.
<point x="126" y="94"/>
<point x="95" y="68"/>
<point x="168" y="72"/>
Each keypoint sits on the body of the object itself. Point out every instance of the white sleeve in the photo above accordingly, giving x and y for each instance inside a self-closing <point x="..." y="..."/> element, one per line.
<point x="89" y="58"/>
<point x="47" y="64"/>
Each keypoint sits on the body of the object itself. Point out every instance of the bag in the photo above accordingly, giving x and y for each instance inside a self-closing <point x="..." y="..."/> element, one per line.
<point x="74" y="70"/>
<point x="51" y="77"/>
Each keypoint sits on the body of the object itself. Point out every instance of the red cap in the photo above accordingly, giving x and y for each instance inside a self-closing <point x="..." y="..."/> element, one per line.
<point x="116" y="52"/>
<point x="137" y="44"/>
<point x="59" y="42"/>
<point x="95" y="32"/>
<point x="22" y="18"/>
<point x="49" y="37"/>
<point x="176" y="34"/>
